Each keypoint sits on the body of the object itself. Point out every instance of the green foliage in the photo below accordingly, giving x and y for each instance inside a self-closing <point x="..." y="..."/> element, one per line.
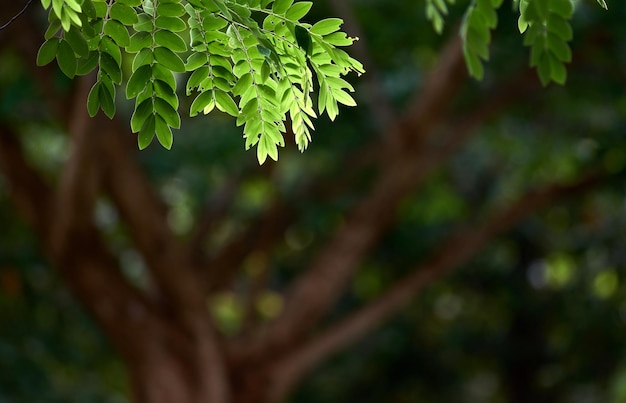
<point x="436" y="10"/>
<point x="252" y="59"/>
<point x="544" y="23"/>
<point x="547" y="32"/>
<point x="480" y="19"/>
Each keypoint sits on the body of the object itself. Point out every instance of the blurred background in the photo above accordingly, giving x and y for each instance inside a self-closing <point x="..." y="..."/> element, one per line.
<point x="538" y="315"/>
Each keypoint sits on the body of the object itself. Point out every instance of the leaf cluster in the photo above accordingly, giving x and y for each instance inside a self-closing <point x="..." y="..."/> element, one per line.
<point x="252" y="59"/>
<point x="545" y="25"/>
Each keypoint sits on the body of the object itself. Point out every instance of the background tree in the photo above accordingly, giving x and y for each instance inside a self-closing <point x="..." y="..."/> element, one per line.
<point x="217" y="280"/>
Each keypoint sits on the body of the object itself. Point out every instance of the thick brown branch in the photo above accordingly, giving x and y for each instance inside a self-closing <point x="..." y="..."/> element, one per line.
<point x="461" y="246"/>
<point x="80" y="179"/>
<point x="319" y="287"/>
<point x="31" y="195"/>
<point x="424" y="111"/>
<point x="88" y="267"/>
<point x="168" y="260"/>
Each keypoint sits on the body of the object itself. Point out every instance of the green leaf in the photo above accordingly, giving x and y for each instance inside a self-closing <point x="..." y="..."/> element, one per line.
<point x="281" y="6"/>
<point x="143" y="58"/>
<point x="139" y="41"/>
<point x="146" y="134"/>
<point x="107" y="45"/>
<point x="558" y="72"/>
<point x="559" y="48"/>
<point x="163" y="132"/>
<point x="326" y="26"/>
<point x="117" y="32"/>
<point x="123" y="13"/>
<point x="138" y="81"/>
<point x="163" y="74"/>
<point x="111" y="68"/>
<point x="226" y="104"/>
<point x="87" y="64"/>
<point x="77" y="42"/>
<point x="344" y="98"/>
<point x="170" y="40"/>
<point x="93" y="100"/>
<point x="144" y="23"/>
<point x="200" y="103"/>
<point x="603" y="4"/>
<point x="47" y="51"/>
<point x="196" y="60"/>
<point x="89" y="9"/>
<point x="132" y="3"/>
<point x="564" y="8"/>
<point x="298" y="10"/>
<point x="66" y="59"/>
<point x="174" y="24"/>
<point x="167" y="112"/>
<point x="170" y="9"/>
<point x="169" y="59"/>
<point x="106" y="96"/>
<point x="141" y="113"/>
<point x="304" y="39"/>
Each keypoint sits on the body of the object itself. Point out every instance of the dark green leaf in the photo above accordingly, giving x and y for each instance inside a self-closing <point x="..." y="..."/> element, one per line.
<point x="146" y="134"/>
<point x="87" y="64"/>
<point x="169" y="114"/>
<point x="76" y="40"/>
<point x="163" y="132"/>
<point x="145" y="57"/>
<point x="66" y="59"/>
<point x="93" y="100"/>
<point x="118" y="32"/>
<point x="304" y="39"/>
<point x="110" y="67"/>
<point x="107" y="100"/>
<point x="47" y="51"/>
<point x="141" y="113"/>
<point x="138" y="81"/>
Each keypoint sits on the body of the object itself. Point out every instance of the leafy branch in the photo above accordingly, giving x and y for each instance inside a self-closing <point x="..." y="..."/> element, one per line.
<point x="544" y="24"/>
<point x="260" y="73"/>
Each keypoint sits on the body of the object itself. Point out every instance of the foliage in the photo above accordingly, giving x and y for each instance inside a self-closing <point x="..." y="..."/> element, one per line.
<point x="540" y="311"/>
<point x="544" y="24"/>
<point x="252" y="59"/>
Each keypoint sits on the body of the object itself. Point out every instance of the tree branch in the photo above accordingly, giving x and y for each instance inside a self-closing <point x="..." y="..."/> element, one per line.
<point x="316" y="290"/>
<point x="88" y="267"/>
<point x="168" y="260"/>
<point x="16" y="16"/>
<point x="459" y="247"/>
<point x="31" y="195"/>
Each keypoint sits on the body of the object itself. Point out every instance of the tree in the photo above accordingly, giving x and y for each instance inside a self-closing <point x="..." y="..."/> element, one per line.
<point x="337" y="212"/>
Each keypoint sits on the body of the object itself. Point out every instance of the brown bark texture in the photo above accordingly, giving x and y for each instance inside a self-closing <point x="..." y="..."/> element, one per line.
<point x="164" y="332"/>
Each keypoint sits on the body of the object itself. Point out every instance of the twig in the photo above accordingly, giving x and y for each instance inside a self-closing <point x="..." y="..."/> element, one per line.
<point x="16" y="16"/>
